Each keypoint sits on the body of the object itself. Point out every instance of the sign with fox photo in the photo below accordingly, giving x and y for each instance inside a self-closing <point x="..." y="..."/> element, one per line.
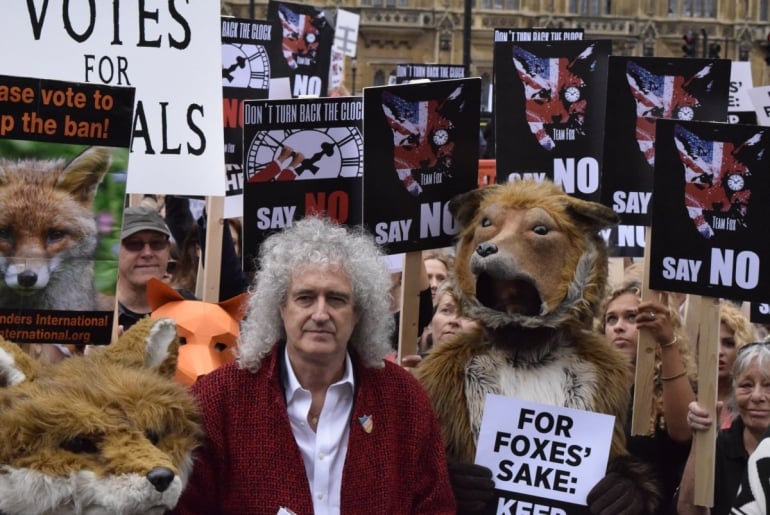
<point x="63" y="163"/>
<point x="301" y="47"/>
<point x="549" y="112"/>
<point x="169" y="51"/>
<point x="421" y="148"/>
<point x="301" y="156"/>
<point x="641" y="90"/>
<point x="245" y="75"/>
<point x="710" y="204"/>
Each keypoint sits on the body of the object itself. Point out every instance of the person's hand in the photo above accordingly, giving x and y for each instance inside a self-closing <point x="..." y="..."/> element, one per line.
<point x="698" y="417"/>
<point x="615" y="494"/>
<point x="654" y="316"/>
<point x="472" y="485"/>
<point x="285" y="153"/>
<point x="296" y="159"/>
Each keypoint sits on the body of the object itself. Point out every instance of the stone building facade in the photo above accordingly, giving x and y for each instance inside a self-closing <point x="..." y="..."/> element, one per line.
<point x="432" y="31"/>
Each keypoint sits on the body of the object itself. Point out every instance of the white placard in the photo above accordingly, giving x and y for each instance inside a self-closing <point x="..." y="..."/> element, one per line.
<point x="543" y="451"/>
<point x="346" y="32"/>
<point x="170" y="51"/>
<point x="740" y="84"/>
<point x="760" y="98"/>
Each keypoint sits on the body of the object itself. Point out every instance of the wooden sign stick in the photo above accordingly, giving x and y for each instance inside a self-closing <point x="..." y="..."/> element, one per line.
<point x="410" y="304"/>
<point x="705" y="441"/>
<point x="207" y="286"/>
<point x="644" y="384"/>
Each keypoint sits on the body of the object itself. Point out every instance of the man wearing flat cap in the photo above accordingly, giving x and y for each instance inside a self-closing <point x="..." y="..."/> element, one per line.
<point x="145" y="249"/>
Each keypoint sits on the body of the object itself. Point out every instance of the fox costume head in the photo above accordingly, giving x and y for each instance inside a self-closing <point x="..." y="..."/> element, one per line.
<point x="208" y="331"/>
<point x="530" y="255"/>
<point x="104" y="433"/>
<point x="48" y="231"/>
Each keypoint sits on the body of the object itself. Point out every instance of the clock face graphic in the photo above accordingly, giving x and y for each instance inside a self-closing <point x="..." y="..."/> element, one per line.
<point x="245" y="66"/>
<point x="685" y="113"/>
<point x="735" y="182"/>
<point x="572" y="94"/>
<point x="328" y="152"/>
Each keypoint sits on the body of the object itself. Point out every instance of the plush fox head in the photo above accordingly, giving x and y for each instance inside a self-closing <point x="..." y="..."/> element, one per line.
<point x="108" y="432"/>
<point x="530" y="255"/>
<point x="208" y="331"/>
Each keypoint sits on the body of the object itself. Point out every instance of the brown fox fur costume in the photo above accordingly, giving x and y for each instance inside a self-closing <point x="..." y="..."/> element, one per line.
<point x="532" y="269"/>
<point x="108" y="432"/>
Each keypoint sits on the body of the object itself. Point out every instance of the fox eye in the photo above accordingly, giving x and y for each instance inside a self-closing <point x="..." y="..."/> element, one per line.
<point x="540" y="229"/>
<point x="220" y="347"/>
<point x="6" y="233"/>
<point x="182" y="340"/>
<point x="80" y="445"/>
<point x="56" y="234"/>
<point x="152" y="436"/>
<point x="486" y="222"/>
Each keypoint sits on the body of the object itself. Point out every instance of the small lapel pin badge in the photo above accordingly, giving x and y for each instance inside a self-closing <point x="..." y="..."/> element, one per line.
<point x="366" y="422"/>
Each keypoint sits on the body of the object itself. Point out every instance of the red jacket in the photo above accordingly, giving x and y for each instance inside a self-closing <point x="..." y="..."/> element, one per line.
<point x="250" y="463"/>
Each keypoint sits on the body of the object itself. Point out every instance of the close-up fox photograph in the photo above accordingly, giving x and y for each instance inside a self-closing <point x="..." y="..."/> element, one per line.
<point x="60" y="213"/>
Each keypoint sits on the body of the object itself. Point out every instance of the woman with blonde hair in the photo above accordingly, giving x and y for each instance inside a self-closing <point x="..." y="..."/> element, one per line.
<point x="735" y="331"/>
<point x="665" y="448"/>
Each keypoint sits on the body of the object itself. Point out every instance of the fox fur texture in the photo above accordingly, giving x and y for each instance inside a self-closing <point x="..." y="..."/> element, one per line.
<point x="48" y="232"/>
<point x="531" y="267"/>
<point x="105" y="433"/>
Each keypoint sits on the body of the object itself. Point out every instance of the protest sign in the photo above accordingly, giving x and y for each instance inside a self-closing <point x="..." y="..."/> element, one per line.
<point x="301" y="156"/>
<point x="711" y="196"/>
<point x="169" y="53"/>
<point x="245" y="75"/>
<point x="420" y="150"/>
<point x="544" y="459"/>
<point x="760" y="98"/>
<point x="640" y="90"/>
<point x="549" y="112"/>
<point x="409" y="72"/>
<point x="740" y="108"/>
<point x="63" y="160"/>
<point x="301" y="47"/>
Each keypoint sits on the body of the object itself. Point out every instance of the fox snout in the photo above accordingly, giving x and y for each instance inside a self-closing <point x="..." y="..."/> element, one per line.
<point x="26" y="276"/>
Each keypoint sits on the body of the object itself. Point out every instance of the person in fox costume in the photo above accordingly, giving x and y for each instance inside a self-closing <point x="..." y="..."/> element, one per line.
<point x="531" y="268"/>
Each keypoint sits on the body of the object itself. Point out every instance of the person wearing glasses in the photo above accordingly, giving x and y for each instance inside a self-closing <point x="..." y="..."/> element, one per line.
<point x="751" y="399"/>
<point x="145" y="250"/>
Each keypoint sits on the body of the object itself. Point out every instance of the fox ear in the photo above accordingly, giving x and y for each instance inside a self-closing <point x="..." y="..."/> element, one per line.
<point x="15" y="365"/>
<point x="82" y="175"/>
<point x="150" y="343"/>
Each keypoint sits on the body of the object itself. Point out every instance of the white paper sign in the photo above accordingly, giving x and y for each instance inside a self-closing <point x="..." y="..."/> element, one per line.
<point x="760" y="97"/>
<point x="169" y="50"/>
<point x="740" y="84"/>
<point x="346" y="32"/>
<point x="543" y="451"/>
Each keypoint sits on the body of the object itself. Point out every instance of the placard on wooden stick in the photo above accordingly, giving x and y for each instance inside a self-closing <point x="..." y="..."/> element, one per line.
<point x="644" y="384"/>
<point x="410" y="304"/>
<point x="705" y="441"/>
<point x="209" y="276"/>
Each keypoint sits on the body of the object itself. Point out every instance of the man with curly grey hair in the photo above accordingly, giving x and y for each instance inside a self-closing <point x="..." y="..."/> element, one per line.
<point x="311" y="419"/>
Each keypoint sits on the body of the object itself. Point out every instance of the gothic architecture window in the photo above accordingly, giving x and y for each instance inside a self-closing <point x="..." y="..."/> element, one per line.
<point x="589" y="7"/>
<point x="693" y="8"/>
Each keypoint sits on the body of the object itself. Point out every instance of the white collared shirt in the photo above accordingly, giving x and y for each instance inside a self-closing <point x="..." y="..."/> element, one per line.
<point x="322" y="451"/>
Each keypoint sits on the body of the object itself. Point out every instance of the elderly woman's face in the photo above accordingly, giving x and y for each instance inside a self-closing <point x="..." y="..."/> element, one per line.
<point x="752" y="395"/>
<point x="447" y="322"/>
